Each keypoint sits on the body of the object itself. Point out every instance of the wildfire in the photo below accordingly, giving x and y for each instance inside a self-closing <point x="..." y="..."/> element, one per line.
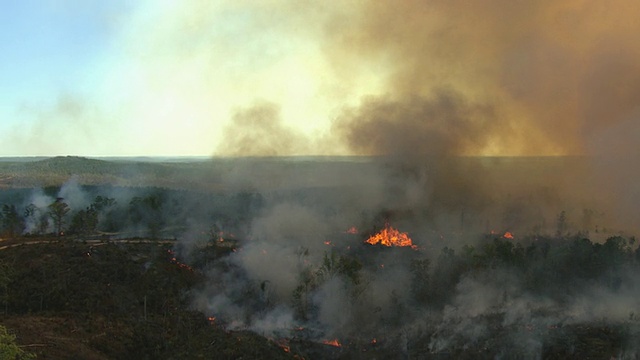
<point x="352" y="230"/>
<point x="508" y="235"/>
<point x="283" y="344"/>
<point x="333" y="342"/>
<point x="391" y="237"/>
<point x="175" y="261"/>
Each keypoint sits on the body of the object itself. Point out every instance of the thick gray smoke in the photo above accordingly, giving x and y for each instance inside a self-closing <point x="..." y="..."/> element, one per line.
<point x="488" y="78"/>
<point x="292" y="270"/>
<point x="444" y="125"/>
<point x="453" y="79"/>
<point x="290" y="273"/>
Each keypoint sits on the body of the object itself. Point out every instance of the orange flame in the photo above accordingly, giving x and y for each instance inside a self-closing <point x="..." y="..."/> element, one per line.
<point x="352" y="230"/>
<point x="333" y="342"/>
<point x="391" y="237"/>
<point x="174" y="260"/>
<point x="283" y="344"/>
<point x="508" y="235"/>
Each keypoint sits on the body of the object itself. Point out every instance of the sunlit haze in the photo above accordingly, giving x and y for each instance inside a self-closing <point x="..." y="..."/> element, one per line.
<point x="276" y="77"/>
<point x="324" y="179"/>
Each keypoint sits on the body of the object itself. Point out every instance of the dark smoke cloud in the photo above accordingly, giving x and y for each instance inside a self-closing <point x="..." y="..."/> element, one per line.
<point x="519" y="78"/>
<point x="558" y="74"/>
<point x="458" y="78"/>
<point x="442" y="125"/>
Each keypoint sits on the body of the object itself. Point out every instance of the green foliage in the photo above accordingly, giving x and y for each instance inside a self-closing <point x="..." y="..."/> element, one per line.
<point x="12" y="223"/>
<point x="333" y="265"/>
<point x="101" y="203"/>
<point x="9" y="349"/>
<point x="300" y="297"/>
<point x="58" y="211"/>
<point x="549" y="267"/>
<point x="350" y="267"/>
<point x="420" y="283"/>
<point x="147" y="211"/>
<point x="85" y="222"/>
<point x="447" y="272"/>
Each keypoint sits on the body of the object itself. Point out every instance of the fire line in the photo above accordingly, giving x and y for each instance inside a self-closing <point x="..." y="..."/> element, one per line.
<point x="391" y="237"/>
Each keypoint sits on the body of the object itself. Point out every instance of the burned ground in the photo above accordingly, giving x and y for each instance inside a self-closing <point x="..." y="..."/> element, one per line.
<point x="510" y="259"/>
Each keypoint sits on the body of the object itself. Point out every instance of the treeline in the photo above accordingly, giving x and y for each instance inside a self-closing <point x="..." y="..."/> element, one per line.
<point x="148" y="212"/>
<point x="495" y="297"/>
<point x="556" y="267"/>
<point x="146" y="293"/>
<point x="553" y="297"/>
<point x="524" y="298"/>
<point x="39" y="220"/>
<point x="56" y="170"/>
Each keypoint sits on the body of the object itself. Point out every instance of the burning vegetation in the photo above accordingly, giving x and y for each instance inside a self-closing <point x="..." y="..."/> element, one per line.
<point x="390" y="236"/>
<point x="544" y="282"/>
<point x="333" y="342"/>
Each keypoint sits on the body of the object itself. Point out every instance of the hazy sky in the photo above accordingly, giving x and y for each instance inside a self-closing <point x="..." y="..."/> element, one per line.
<point x="276" y="77"/>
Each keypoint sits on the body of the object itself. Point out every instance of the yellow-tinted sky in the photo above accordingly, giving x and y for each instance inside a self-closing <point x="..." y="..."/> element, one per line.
<point x="275" y="77"/>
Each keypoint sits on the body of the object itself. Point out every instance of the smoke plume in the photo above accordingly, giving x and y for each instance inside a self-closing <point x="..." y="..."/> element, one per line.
<point x="555" y="75"/>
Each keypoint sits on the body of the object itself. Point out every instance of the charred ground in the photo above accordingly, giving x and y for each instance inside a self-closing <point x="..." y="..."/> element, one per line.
<point x="104" y="300"/>
<point x="64" y="299"/>
<point x="274" y="250"/>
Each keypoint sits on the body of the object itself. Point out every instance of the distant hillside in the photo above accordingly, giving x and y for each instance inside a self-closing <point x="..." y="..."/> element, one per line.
<point x="57" y="170"/>
<point x="197" y="173"/>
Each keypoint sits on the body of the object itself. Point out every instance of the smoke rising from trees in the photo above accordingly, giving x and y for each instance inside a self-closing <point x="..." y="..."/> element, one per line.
<point x="419" y="83"/>
<point x="286" y="260"/>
